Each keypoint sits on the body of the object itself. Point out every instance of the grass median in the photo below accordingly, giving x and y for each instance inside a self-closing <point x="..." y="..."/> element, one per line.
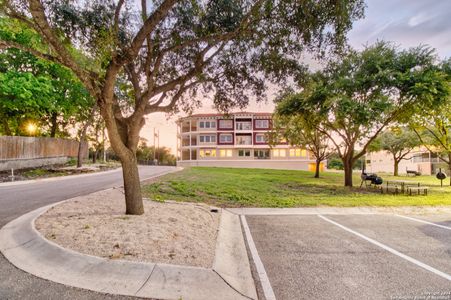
<point x="232" y="187"/>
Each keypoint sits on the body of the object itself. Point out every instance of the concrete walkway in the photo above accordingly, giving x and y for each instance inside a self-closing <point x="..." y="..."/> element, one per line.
<point x="229" y="278"/>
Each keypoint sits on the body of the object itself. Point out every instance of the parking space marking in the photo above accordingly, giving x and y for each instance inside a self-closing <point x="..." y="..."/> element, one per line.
<point x="389" y="249"/>
<point x="423" y="221"/>
<point x="264" y="280"/>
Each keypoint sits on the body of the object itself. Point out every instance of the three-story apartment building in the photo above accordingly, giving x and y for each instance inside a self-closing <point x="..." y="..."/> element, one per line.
<point x="236" y="140"/>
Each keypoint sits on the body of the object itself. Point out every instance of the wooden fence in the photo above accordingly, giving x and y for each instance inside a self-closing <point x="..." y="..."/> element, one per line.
<point x="20" y="147"/>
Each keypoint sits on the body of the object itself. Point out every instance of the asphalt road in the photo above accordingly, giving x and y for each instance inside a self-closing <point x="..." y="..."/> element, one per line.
<point x="307" y="257"/>
<point x="16" y="200"/>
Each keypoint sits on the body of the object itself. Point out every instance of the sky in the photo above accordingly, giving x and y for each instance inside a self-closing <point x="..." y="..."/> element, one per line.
<point x="407" y="23"/>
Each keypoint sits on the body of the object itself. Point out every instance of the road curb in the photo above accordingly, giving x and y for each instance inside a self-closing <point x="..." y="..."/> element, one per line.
<point x="57" y="178"/>
<point x="231" y="261"/>
<point x="28" y="250"/>
<point x="363" y="210"/>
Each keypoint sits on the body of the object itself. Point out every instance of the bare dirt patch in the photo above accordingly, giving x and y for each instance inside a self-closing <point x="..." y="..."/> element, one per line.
<point x="175" y="233"/>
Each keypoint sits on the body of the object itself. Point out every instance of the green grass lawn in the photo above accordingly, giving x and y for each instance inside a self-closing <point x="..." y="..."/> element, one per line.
<point x="231" y="187"/>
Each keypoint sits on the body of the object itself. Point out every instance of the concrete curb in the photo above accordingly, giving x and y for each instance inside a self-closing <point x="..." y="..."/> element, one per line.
<point x="339" y="210"/>
<point x="21" y="182"/>
<point x="230" y="277"/>
<point x="231" y="261"/>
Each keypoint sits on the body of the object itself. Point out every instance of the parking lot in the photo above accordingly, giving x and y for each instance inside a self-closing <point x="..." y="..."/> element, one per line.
<point x="361" y="256"/>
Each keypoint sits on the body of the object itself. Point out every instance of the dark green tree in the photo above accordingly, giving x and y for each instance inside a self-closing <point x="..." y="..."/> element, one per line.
<point x="170" y="51"/>
<point x="433" y="127"/>
<point x="301" y="131"/>
<point x="32" y="88"/>
<point x="361" y="93"/>
<point x="399" y="141"/>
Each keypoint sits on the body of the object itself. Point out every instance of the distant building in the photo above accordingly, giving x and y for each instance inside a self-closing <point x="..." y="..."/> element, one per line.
<point x="419" y="160"/>
<point x="235" y="140"/>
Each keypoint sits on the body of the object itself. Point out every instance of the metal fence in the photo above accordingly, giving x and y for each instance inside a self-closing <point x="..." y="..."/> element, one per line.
<point x="20" y="147"/>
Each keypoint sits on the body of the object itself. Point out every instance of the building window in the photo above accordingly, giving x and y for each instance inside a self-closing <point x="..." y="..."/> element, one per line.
<point x="261" y="138"/>
<point x="207" y="139"/>
<point x="226" y="124"/>
<point x="226" y="138"/>
<point x="207" y="153"/>
<point x="244" y="140"/>
<point x="261" y="124"/>
<point x="279" y="153"/>
<point x="207" y="124"/>
<point x="243" y="125"/>
<point x="298" y="153"/>
<point x="244" y="153"/>
<point x="261" y="153"/>
<point x="225" y="153"/>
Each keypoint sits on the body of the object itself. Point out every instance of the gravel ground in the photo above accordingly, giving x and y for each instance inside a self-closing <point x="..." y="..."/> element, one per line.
<point x="174" y="233"/>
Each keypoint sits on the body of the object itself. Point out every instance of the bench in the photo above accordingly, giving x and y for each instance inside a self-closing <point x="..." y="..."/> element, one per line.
<point x="413" y="172"/>
<point x="418" y="190"/>
<point x="392" y="186"/>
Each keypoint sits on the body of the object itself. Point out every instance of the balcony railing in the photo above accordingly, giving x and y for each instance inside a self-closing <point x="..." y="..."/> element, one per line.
<point x="243" y="126"/>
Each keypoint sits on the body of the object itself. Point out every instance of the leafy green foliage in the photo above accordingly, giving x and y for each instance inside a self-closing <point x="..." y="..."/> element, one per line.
<point x="362" y="93"/>
<point x="32" y="88"/>
<point x="399" y="141"/>
<point x="433" y="127"/>
<point x="162" y="155"/>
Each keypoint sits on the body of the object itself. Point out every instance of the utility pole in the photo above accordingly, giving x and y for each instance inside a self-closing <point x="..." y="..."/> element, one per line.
<point x="158" y="142"/>
<point x="154" y="146"/>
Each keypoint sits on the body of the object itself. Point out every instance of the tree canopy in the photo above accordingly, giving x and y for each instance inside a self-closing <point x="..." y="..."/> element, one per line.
<point x="358" y="95"/>
<point x="399" y="141"/>
<point x="33" y="89"/>
<point x="170" y="51"/>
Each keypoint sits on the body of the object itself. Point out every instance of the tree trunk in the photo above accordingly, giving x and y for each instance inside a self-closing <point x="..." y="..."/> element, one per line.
<point x="449" y="168"/>
<point x="81" y="145"/>
<point x="6" y="127"/>
<point x="94" y="156"/>
<point x="396" y="168"/>
<point x="132" y="186"/>
<point x="80" y="152"/>
<point x="317" y="165"/>
<point x="347" y="164"/>
<point x="53" y="120"/>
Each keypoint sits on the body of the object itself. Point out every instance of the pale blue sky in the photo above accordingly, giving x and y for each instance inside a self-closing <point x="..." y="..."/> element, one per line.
<point x="408" y="23"/>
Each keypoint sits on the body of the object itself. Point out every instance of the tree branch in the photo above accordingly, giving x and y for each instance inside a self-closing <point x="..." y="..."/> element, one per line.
<point x="38" y="13"/>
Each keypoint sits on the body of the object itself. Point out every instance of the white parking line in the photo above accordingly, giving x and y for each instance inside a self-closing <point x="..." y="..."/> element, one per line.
<point x="391" y="250"/>
<point x="423" y="221"/>
<point x="264" y="280"/>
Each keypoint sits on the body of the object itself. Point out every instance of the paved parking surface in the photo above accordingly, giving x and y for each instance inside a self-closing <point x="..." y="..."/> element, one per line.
<point x="354" y="256"/>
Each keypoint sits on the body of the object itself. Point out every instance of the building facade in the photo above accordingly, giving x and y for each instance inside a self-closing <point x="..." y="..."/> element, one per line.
<point x="235" y="140"/>
<point x="419" y="160"/>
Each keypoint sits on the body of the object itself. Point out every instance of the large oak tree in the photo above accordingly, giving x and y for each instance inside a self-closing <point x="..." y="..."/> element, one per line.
<point x="169" y="51"/>
<point x="358" y="95"/>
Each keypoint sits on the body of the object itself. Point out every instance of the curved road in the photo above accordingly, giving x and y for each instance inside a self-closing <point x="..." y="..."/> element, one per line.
<point x="16" y="200"/>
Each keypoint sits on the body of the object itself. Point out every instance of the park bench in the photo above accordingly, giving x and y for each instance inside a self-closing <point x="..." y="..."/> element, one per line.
<point x="412" y="172"/>
<point x="417" y="189"/>
<point x="394" y="186"/>
<point x="400" y="186"/>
